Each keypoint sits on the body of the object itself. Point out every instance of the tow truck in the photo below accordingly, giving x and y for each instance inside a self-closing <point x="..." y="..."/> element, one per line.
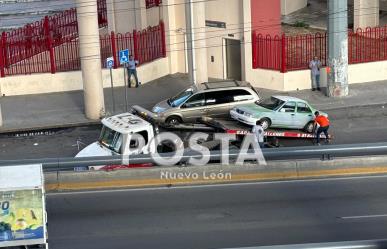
<point x="117" y="131"/>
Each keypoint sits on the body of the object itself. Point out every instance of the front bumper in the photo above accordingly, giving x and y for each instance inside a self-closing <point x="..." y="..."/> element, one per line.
<point x="242" y="118"/>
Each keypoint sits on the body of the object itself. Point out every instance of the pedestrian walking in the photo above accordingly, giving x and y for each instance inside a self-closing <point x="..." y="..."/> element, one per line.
<point x="323" y="123"/>
<point x="259" y="133"/>
<point x="315" y="66"/>
<point x="132" y="70"/>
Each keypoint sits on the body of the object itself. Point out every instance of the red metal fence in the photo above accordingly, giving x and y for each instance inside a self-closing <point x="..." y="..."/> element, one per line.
<point x="152" y="3"/>
<point x="146" y="45"/>
<point x="288" y="53"/>
<point x="38" y="39"/>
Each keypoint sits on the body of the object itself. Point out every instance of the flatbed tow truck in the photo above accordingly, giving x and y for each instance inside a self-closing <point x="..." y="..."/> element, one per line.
<point x="219" y="125"/>
<point x="117" y="133"/>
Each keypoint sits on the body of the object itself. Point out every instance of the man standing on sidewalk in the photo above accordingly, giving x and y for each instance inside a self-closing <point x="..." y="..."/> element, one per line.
<point x="315" y="66"/>
<point x="259" y="133"/>
<point x="324" y="123"/>
<point x="132" y="70"/>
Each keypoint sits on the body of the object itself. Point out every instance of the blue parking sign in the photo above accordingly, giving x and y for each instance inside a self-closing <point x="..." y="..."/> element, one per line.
<point x="110" y="62"/>
<point x="124" y="56"/>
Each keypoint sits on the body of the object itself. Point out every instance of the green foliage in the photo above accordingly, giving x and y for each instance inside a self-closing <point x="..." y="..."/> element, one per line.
<point x="301" y="24"/>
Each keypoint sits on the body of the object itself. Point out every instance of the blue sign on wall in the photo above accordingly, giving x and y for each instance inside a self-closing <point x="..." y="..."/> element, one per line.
<point x="124" y="56"/>
<point x="110" y="62"/>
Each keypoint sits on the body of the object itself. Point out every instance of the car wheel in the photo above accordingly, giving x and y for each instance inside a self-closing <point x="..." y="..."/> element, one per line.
<point x="174" y="120"/>
<point x="265" y="123"/>
<point x="309" y="127"/>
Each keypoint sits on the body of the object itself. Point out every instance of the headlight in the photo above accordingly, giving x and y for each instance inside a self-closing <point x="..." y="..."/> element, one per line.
<point x="249" y="115"/>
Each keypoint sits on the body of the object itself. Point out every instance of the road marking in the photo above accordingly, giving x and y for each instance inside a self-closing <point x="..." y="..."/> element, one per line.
<point x="219" y="185"/>
<point x="364" y="216"/>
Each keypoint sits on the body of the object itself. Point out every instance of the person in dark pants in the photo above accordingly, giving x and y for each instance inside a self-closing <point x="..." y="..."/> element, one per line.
<point x="324" y="123"/>
<point x="132" y="70"/>
<point x="259" y="133"/>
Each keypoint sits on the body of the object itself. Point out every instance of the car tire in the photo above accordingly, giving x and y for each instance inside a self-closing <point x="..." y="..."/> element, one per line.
<point x="309" y="127"/>
<point x="265" y="123"/>
<point x="173" y="120"/>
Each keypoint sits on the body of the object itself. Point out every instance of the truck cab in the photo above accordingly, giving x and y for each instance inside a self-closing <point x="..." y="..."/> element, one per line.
<point x="116" y="137"/>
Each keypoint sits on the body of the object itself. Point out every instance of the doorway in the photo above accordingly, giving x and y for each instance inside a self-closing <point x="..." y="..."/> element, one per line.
<point x="233" y="59"/>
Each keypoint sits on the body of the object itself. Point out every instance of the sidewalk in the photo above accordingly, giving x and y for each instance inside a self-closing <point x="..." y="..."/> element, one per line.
<point x="55" y="110"/>
<point x="316" y="14"/>
<point x="366" y="94"/>
<point x="66" y="109"/>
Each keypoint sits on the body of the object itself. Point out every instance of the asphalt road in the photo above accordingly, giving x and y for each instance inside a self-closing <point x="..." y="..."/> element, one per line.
<point x="223" y="216"/>
<point x="67" y="142"/>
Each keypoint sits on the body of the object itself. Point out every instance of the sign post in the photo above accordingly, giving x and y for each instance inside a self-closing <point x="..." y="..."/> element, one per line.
<point x="110" y="65"/>
<point x="123" y="56"/>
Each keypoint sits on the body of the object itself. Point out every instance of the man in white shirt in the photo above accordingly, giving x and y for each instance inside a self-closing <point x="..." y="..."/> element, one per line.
<point x="132" y="70"/>
<point x="315" y="66"/>
<point x="259" y="133"/>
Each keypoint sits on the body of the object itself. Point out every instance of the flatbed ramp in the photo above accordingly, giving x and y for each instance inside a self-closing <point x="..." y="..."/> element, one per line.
<point x="234" y="127"/>
<point x="223" y="125"/>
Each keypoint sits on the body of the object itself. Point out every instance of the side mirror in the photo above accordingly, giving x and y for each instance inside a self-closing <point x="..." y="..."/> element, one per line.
<point x="282" y="110"/>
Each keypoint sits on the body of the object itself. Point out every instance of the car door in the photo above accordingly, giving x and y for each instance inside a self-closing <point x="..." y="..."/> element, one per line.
<point x="193" y="109"/>
<point x="218" y="103"/>
<point x="303" y="116"/>
<point x="285" y="116"/>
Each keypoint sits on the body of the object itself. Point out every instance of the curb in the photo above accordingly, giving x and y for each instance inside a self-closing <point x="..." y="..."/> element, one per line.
<point x="5" y="131"/>
<point x="214" y="174"/>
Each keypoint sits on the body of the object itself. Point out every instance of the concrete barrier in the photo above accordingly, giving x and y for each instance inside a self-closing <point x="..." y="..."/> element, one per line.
<point x="216" y="173"/>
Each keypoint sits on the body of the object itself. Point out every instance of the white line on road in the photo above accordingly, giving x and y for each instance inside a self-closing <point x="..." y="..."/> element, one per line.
<point x="215" y="185"/>
<point x="364" y="216"/>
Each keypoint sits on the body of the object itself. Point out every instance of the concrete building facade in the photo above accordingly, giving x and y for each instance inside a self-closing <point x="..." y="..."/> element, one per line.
<point x="223" y="45"/>
<point x="222" y="31"/>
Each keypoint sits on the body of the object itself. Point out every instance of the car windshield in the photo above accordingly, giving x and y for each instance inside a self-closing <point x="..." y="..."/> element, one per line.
<point x="180" y="98"/>
<point x="271" y="103"/>
<point x="111" y="139"/>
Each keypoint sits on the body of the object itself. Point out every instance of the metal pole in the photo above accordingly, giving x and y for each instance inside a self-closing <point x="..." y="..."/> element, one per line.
<point x="126" y="88"/>
<point x="337" y="48"/>
<point x="190" y="42"/>
<point x="111" y="82"/>
<point x="1" y="117"/>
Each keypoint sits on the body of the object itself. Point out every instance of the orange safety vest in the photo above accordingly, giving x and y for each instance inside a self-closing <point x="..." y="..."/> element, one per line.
<point x="322" y="121"/>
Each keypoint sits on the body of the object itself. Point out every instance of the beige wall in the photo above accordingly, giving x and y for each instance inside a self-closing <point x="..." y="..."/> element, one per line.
<point x="383" y="5"/>
<point x="122" y="20"/>
<point x="70" y="81"/>
<point x="266" y="79"/>
<point x="174" y="19"/>
<point x="289" y="6"/>
<point x="125" y="16"/>
<point x="367" y="72"/>
<point x="232" y="14"/>
<point x="153" y="16"/>
<point x="366" y="13"/>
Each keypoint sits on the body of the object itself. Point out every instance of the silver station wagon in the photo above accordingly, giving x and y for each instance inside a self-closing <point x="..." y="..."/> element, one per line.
<point x="212" y="99"/>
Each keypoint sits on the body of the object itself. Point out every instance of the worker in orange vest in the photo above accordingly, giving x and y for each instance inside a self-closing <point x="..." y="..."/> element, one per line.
<point x="324" y="123"/>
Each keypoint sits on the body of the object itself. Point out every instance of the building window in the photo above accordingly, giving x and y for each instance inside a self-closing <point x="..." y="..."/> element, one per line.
<point x="152" y="3"/>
